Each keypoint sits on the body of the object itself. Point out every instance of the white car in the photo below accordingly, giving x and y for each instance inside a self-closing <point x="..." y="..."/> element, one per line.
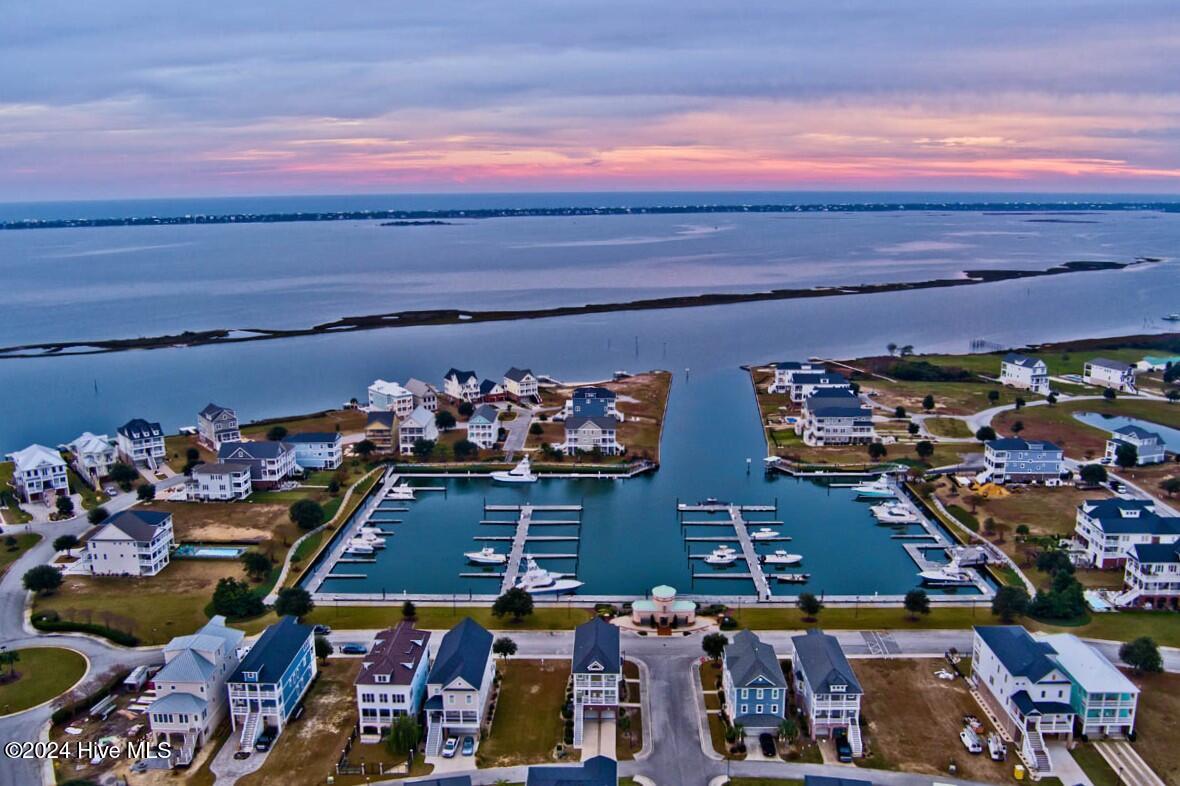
<point x="449" y="747"/>
<point x="970" y="741"/>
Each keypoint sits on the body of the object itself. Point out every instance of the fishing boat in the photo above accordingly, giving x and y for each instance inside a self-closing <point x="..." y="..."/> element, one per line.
<point x="401" y="492"/>
<point x="538" y="581"/>
<point x="486" y="556"/>
<point x="358" y="547"/>
<point x="781" y="557"/>
<point x="1173" y="317"/>
<point x="762" y="533"/>
<point x="722" y="555"/>
<point x="948" y="575"/>
<point x="893" y="513"/>
<point x="793" y="578"/>
<point x="880" y="488"/>
<point x="521" y="473"/>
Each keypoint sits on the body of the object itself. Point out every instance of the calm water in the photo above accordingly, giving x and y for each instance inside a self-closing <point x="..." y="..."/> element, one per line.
<point x="1170" y="436"/>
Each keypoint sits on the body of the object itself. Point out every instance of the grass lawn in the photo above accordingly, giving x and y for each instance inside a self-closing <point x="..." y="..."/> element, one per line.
<point x="446" y="617"/>
<point x="12" y="514"/>
<point x="24" y="542"/>
<point x="91" y="499"/>
<point x="1097" y="770"/>
<point x="1155" y="724"/>
<point x="1057" y="423"/>
<point x="950" y="398"/>
<point x="44" y="672"/>
<point x="176" y="449"/>
<point x="947" y="427"/>
<point x="527" y="725"/>
<point x="346" y="421"/>
<point x="627" y="744"/>
<point x="267" y="526"/>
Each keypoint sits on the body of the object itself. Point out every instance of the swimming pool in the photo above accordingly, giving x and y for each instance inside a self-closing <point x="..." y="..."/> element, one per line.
<point x="203" y="551"/>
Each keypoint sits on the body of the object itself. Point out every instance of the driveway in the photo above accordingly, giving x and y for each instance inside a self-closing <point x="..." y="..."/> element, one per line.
<point x="518" y="432"/>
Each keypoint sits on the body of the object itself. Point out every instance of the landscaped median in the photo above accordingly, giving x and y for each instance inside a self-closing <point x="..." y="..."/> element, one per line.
<point x="36" y="675"/>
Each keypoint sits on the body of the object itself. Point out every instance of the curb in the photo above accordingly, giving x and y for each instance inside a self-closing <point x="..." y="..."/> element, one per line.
<point x="80" y="680"/>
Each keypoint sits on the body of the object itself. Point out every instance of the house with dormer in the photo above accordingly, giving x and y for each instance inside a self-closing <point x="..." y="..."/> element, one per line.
<point x="785" y="370"/>
<point x="597" y="670"/>
<point x="459" y="684"/>
<point x="753" y="683"/>
<point x="1151" y="577"/>
<point x="461" y="385"/>
<point x="521" y="384"/>
<point x="591" y="401"/>
<point x="1024" y="372"/>
<point x="1149" y="446"/>
<point x="271" y="680"/>
<point x="270" y="462"/>
<point x="140" y="443"/>
<point x="484" y="426"/>
<point x="392" y="679"/>
<point x="217" y="424"/>
<point x="92" y="457"/>
<point x="585" y="434"/>
<point x="1106" y="530"/>
<point x="826" y="687"/>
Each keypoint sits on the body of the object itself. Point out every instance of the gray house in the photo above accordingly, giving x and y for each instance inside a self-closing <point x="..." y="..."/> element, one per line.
<point x="1014" y="460"/>
<point x="754" y="684"/>
<point x="1149" y="446"/>
<point x="827" y="687"/>
<point x="597" y="671"/>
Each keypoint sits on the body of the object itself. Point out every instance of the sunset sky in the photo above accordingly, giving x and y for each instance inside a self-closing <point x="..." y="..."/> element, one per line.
<point x="141" y="99"/>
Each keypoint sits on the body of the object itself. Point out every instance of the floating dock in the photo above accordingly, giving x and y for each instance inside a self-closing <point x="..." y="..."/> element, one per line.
<point x="740" y="526"/>
<point x="521" y="538"/>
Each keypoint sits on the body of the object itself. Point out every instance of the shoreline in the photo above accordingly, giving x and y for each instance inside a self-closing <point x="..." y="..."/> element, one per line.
<point x="425" y="318"/>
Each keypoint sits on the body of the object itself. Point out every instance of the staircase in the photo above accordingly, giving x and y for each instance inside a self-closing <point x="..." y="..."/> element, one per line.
<point x="434" y="739"/>
<point x="1035" y="754"/>
<point x="249" y="731"/>
<point x="1127" y="598"/>
<point x="854" y="740"/>
<point x="579" y="725"/>
<point x="184" y="756"/>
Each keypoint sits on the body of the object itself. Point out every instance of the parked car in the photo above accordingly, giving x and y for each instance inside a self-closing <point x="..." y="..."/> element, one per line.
<point x="996" y="747"/>
<point x="265" y="740"/>
<point x="449" y="747"/>
<point x="239" y="755"/>
<point x="970" y="740"/>
<point x="322" y="630"/>
<point x="766" y="742"/>
<point x="468" y="746"/>
<point x="353" y="648"/>
<point x="843" y="748"/>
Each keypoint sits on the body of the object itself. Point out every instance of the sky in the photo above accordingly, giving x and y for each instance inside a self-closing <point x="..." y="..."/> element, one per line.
<point x="148" y="99"/>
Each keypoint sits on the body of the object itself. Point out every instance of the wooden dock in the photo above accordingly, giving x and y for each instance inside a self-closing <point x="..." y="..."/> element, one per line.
<point x="737" y="522"/>
<point x="521" y="538"/>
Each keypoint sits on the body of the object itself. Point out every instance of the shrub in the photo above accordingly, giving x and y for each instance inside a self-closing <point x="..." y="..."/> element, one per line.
<point x="50" y="622"/>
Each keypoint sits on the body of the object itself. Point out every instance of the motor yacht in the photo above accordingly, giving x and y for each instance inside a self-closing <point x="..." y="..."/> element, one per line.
<point x="893" y="513"/>
<point x="486" y="556"/>
<point x="538" y="581"/>
<point x="401" y="492"/>
<point x="358" y="547"/>
<point x="521" y="473"/>
<point x="948" y="575"/>
<point x="793" y="578"/>
<point x="781" y="557"/>
<point x="762" y="533"/>
<point x="880" y="488"/>
<point x="722" y="555"/>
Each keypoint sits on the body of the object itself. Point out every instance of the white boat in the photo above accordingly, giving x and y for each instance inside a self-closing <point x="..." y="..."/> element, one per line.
<point x="793" y="578"/>
<point x="486" y="556"/>
<point x="762" y="533"/>
<point x="358" y="547"/>
<point x="948" y="575"/>
<point x="401" y="492"/>
<point x="521" y="473"/>
<point x="781" y="557"/>
<point x="996" y="747"/>
<point x="893" y="513"/>
<point x="880" y="488"/>
<point x="1173" y="317"/>
<point x="723" y="555"/>
<point x="538" y="581"/>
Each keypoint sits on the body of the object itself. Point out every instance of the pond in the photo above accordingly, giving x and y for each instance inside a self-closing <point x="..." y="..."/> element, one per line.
<point x="1170" y="436"/>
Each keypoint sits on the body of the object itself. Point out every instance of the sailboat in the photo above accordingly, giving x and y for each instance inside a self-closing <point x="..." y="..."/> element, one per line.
<point x="521" y="473"/>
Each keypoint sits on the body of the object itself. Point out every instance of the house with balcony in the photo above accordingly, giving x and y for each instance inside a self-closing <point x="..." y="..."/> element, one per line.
<point x="484" y="426"/>
<point x="39" y="474"/>
<point x="216" y="425"/>
<point x="317" y="450"/>
<point x="1024" y="372"/>
<point x="271" y="680"/>
<point x="270" y="462"/>
<point x="1149" y="446"/>
<point x="392" y="679"/>
<point x="1113" y="374"/>
<point x="597" y="670"/>
<point x="521" y="385"/>
<point x="425" y="394"/>
<point x="1019" y="680"/>
<point x="591" y="401"/>
<point x="785" y="370"/>
<point x="585" y="434"/>
<point x="1106" y="530"/>
<point x="1152" y="577"/>
<point x="1015" y="460"/>
<point x="131" y="543"/>
<point x="381" y="429"/>
<point x="804" y="383"/>
<point x="459" y="684"/>
<point x="1104" y="701"/>
<point x="390" y="397"/>
<point x="418" y="425"/>
<point x="92" y="456"/>
<point x="219" y="482"/>
<point x="835" y="416"/>
<point x="754" y="685"/>
<point x="595" y="771"/>
<point x="140" y="443"/>
<point x="828" y="691"/>
<point x="191" y="700"/>
<point x="461" y="385"/>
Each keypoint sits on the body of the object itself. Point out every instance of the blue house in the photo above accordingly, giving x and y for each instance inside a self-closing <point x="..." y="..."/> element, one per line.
<point x="597" y="771"/>
<point x="754" y="685"/>
<point x="1149" y="446"/>
<point x="271" y="680"/>
<point x="591" y="401"/>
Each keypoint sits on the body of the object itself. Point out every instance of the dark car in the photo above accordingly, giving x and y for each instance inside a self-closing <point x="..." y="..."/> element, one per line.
<point x="843" y="749"/>
<point x="321" y="630"/>
<point x="766" y="742"/>
<point x="265" y="739"/>
<point x="353" y="648"/>
<point x="239" y="755"/>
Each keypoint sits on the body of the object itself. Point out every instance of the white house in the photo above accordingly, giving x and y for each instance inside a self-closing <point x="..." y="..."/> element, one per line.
<point x="191" y="698"/>
<point x="461" y="385"/>
<point x="1110" y="374"/>
<point x="130" y="543"/>
<point x="392" y="679"/>
<point x="1106" y="530"/>
<point x="270" y="681"/>
<point x="1015" y="460"/>
<point x="1022" y="371"/>
<point x="1152" y="577"/>
<point x="783" y="371"/>
<point x="586" y="433"/>
<point x="140" y="443"/>
<point x="520" y="384"/>
<point x="317" y="450"/>
<point x="270" y="462"/>
<point x="597" y="670"/>
<point x="391" y="397"/>
<point x="804" y="383"/>
<point x="754" y="685"/>
<point x="459" y="684"/>
<point x="827" y="688"/>
<point x="483" y="426"/>
<point x="835" y="416"/>
<point x="425" y="394"/>
<point x="39" y="473"/>
<point x="217" y="424"/>
<point x="93" y="455"/>
<point x="1149" y="446"/>
<point x="219" y="482"/>
<point x="418" y="425"/>
<point x="1103" y="699"/>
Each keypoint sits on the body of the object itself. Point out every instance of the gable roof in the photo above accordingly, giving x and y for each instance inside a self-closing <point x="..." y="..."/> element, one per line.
<point x="840" y="411"/>
<point x="1022" y="360"/>
<point x="820" y="657"/>
<point x="518" y="374"/>
<point x="818" y="378"/>
<point x="605" y="422"/>
<point x="386" y="419"/>
<point x="1020" y="653"/>
<point x="597" y="771"/>
<point x="1113" y="365"/>
<point x="91" y="443"/>
<point x="178" y="702"/>
<point x="1157" y="552"/>
<point x="397" y="652"/>
<point x="220" y="468"/>
<point x="831" y="394"/>
<point x="252" y="450"/>
<point x="139" y="525"/>
<point x="748" y="658"/>
<point x="462" y="377"/>
<point x="35" y="456"/>
<point x="488" y="386"/>
<point x="314" y="436"/>
<point x="593" y="392"/>
<point x="596" y="642"/>
<point x="484" y="412"/>
<point x="138" y="428"/>
<point x="420" y="388"/>
<point x="1016" y="443"/>
<point x="212" y="410"/>
<point x="1139" y="433"/>
<point x="421" y="416"/>
<point x="462" y="653"/>
<point x="274" y="651"/>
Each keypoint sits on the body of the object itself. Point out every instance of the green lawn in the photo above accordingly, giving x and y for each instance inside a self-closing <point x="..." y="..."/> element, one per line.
<point x="1095" y="767"/>
<point x="1057" y="423"/>
<point x="45" y="672"/>
<point x="1058" y="363"/>
<point x="947" y="427"/>
<point x="527" y="724"/>
<point x="91" y="499"/>
<point x="24" y="542"/>
<point x="445" y="617"/>
<point x="12" y="514"/>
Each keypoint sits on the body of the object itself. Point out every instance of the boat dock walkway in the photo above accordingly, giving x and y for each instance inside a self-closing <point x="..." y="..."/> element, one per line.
<point x="935" y="539"/>
<point x="741" y="530"/>
<point x="521" y="538"/>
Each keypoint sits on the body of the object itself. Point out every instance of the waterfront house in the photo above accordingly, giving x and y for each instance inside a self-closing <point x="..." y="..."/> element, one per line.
<point x="190" y="689"/>
<point x="392" y="679"/>
<point x="417" y="426"/>
<point x="461" y="385"/>
<point x="93" y="455"/>
<point x="591" y="401"/>
<point x="217" y="424"/>
<point x="1112" y="374"/>
<point x="1104" y="701"/>
<point x="1015" y="460"/>
<point x="483" y="427"/>
<point x="131" y="543"/>
<point x="490" y="390"/>
<point x="459" y="684"/>
<point x="219" y="482"/>
<point x="1022" y="371"/>
<point x="826" y="687"/>
<point x="425" y="394"/>
<point x="1106" y="530"/>
<point x="39" y="474"/>
<point x="1152" y="577"/>
<point x="835" y="416"/>
<point x="521" y="384"/>
<point x="585" y="434"/>
<point x="1149" y="446"/>
<point x="317" y="450"/>
<point x="271" y="680"/>
<point x="140" y="443"/>
<point x="662" y="610"/>
<point x="785" y="370"/>
<point x="270" y="462"/>
<point x="595" y="771"/>
<point x="380" y="428"/>
<point x="1019" y="680"/>
<point x="753" y="682"/>
<point x="804" y="383"/>
<point x="597" y="670"/>
<point x="390" y="397"/>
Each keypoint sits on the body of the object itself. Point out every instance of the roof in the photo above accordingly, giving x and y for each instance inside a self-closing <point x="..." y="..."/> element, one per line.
<point x="518" y="374"/>
<point x="138" y="428"/>
<point x="1157" y="552"/>
<point x="597" y="771"/>
<point x="596" y="642"/>
<point x="593" y="391"/>
<point x="220" y="468"/>
<point x="91" y="443"/>
<point x="178" y="703"/>
<point x="488" y="386"/>
<point x="139" y="525"/>
<point x="1126" y="516"/>
<point x="253" y="450"/>
<point x="314" y="436"/>
<point x="750" y="660"/>
<point x="819" y="378"/>
<point x="1027" y="706"/>
<point x="397" y="652"/>
<point x="1022" y="360"/>
<point x="381" y="419"/>
<point x="186" y="666"/>
<point x="820" y="657"/>
<point x="463" y="653"/>
<point x="420" y="388"/>
<point x="1016" y="443"/>
<point x="828" y="780"/>
<point x="1114" y="365"/>
<point x="421" y="416"/>
<point x="794" y="365"/>
<point x="207" y="637"/>
<point x="35" y="456"/>
<point x="388" y="388"/>
<point x="602" y="421"/>
<point x="212" y="410"/>
<point x="485" y="412"/>
<point x="840" y="411"/>
<point x="461" y="376"/>
<point x="1139" y="433"/>
<point x="1086" y="666"/>
<point x="274" y="651"/>
<point x="1020" y="653"/>
<point x="831" y="394"/>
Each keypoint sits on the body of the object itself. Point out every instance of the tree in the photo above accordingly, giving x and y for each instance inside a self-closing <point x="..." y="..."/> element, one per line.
<point x="993" y="396"/>
<point x="892" y="347"/>
<point x="65" y="506"/>
<point x="333" y="487"/>
<point x="293" y="602"/>
<point x="985" y="434"/>
<point x="66" y="543"/>
<point x="1126" y="455"/>
<point x="1009" y="603"/>
<point x="810" y="606"/>
<point x="1019" y="402"/>
<point x="146" y="491"/>
<point x="1018" y="427"/>
<point x="9" y="658"/>
<point x="423" y="448"/>
<point x="404" y="736"/>
<point x="43" y="579"/>
<point x="899" y="412"/>
<point x="365" y="448"/>
<point x="307" y="514"/>
<point x="97" y="515"/>
<point x="504" y="647"/>
<point x="123" y="474"/>
<point x="624" y="724"/>
<point x="234" y="599"/>
<point x="466" y="409"/>
<point x="444" y="420"/>
<point x="1051" y="398"/>
<point x="788" y="730"/>
<point x="917" y="602"/>
<point x="907" y="350"/>
<point x="714" y="646"/>
<point x="913" y="428"/>
<point x="1109" y="394"/>
<point x="1142" y="654"/>
<point x="465" y="448"/>
<point x="323" y="647"/>
<point x="877" y="451"/>
<point x="924" y="449"/>
<point x="515" y="602"/>
<point x="1170" y="486"/>
<point x="409" y="610"/>
<point x="1173" y="396"/>
<point x="256" y="564"/>
<point x="276" y="433"/>
<point x="928" y="402"/>
<point x="536" y="430"/>
<point x="1093" y="474"/>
